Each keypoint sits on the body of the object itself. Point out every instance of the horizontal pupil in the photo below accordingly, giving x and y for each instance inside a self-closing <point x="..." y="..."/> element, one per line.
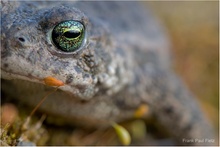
<point x="71" y="34"/>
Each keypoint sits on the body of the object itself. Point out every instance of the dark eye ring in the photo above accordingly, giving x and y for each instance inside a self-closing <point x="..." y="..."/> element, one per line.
<point x="68" y="36"/>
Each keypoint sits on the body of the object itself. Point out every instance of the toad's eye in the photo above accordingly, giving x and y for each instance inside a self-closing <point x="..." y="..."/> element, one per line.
<point x="68" y="36"/>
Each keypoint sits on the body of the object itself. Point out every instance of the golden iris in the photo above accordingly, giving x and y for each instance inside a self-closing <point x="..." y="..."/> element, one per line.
<point x="68" y="36"/>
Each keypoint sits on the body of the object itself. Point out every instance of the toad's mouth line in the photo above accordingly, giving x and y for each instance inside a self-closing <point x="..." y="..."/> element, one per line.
<point x="13" y="75"/>
<point x="72" y="90"/>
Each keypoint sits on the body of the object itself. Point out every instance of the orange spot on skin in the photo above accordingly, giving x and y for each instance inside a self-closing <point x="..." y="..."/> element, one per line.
<point x="141" y="111"/>
<point x="51" y="81"/>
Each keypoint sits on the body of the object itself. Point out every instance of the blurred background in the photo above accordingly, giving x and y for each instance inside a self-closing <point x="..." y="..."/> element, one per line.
<point x="193" y="27"/>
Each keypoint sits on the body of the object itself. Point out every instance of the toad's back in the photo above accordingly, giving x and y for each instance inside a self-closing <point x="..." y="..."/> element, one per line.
<point x="131" y="23"/>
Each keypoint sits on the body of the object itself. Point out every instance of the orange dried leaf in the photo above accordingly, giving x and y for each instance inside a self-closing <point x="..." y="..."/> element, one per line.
<point x="51" y="81"/>
<point x="141" y="111"/>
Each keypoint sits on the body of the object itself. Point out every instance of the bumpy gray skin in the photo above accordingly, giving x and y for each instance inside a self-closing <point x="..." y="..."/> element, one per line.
<point x="124" y="63"/>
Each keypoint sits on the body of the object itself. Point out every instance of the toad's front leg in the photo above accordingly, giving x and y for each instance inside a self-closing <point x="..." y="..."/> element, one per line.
<point x="176" y="109"/>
